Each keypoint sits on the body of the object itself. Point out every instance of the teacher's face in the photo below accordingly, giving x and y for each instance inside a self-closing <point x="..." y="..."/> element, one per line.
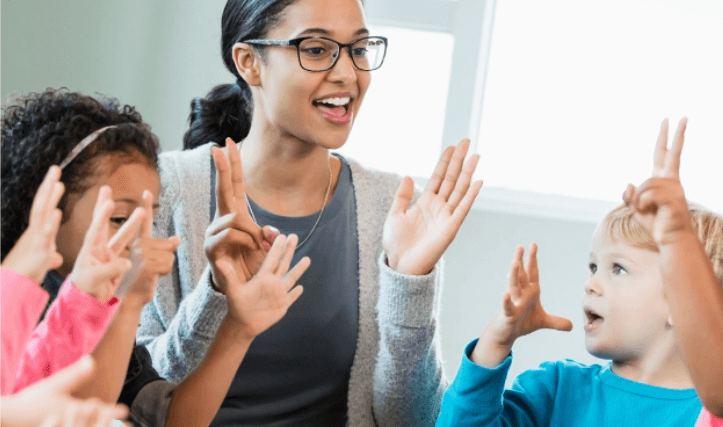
<point x="318" y="107"/>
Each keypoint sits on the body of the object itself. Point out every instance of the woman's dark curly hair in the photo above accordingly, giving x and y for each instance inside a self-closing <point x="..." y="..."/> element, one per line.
<point x="40" y="129"/>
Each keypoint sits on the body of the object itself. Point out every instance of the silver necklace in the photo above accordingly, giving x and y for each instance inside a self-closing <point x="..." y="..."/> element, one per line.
<point x="323" y="206"/>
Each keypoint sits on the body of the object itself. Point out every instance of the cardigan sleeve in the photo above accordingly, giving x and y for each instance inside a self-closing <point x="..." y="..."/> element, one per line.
<point x="23" y="302"/>
<point x="74" y="324"/>
<point x="408" y="379"/>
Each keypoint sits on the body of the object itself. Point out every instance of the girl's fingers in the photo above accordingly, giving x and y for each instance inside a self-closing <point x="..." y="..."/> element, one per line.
<point x="107" y="272"/>
<point x="52" y="420"/>
<point x="661" y="149"/>
<point x="672" y="161"/>
<point x="454" y="169"/>
<point x="558" y="323"/>
<point x="461" y="211"/>
<point x="401" y="201"/>
<point x="128" y="232"/>
<point x="224" y="188"/>
<point x="293" y="276"/>
<point x="532" y="270"/>
<point x="460" y="189"/>
<point x="51" y="231"/>
<point x="147" y="226"/>
<point x="435" y="181"/>
<point x="41" y="201"/>
<point x="237" y="176"/>
<point x="98" y="231"/>
<point x="286" y="256"/>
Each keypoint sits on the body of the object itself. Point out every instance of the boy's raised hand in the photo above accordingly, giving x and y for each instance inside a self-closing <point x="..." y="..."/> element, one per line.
<point x="415" y="237"/>
<point x="152" y="258"/>
<point x="659" y="202"/>
<point x="521" y="312"/>
<point x="264" y="300"/>
<point x="35" y="253"/>
<point x="233" y="236"/>
<point x="99" y="266"/>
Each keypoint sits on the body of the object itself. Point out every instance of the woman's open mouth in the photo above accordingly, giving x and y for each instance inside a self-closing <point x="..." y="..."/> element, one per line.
<point x="336" y="109"/>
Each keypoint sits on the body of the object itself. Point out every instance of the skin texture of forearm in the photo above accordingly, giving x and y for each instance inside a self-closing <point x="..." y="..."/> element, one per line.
<point x="198" y="398"/>
<point x="696" y="302"/>
<point x="113" y="354"/>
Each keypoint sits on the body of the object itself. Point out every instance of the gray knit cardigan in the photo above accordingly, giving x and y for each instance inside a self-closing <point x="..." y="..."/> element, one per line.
<point x="396" y="378"/>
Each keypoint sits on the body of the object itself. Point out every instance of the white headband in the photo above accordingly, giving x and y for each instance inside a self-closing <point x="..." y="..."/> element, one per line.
<point x="81" y="145"/>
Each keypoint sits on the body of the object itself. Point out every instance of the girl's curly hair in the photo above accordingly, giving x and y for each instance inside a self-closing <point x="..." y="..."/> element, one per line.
<point x="40" y="129"/>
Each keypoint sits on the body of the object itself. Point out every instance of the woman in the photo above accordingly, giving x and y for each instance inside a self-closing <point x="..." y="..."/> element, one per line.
<point x="360" y="346"/>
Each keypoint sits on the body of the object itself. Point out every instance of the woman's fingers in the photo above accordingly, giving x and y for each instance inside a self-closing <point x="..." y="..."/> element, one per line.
<point x="271" y="262"/>
<point x="128" y="232"/>
<point x="672" y="160"/>
<point x="224" y="187"/>
<point x="297" y="271"/>
<point x="463" y="182"/>
<point x="293" y="295"/>
<point x="228" y="238"/>
<point x="454" y="169"/>
<point x="401" y="201"/>
<point x="461" y="211"/>
<point x="237" y="176"/>
<point x="435" y="181"/>
<point x="287" y="255"/>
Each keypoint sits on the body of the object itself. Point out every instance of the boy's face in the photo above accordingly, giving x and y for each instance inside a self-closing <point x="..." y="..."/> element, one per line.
<point x="127" y="183"/>
<point x="626" y="313"/>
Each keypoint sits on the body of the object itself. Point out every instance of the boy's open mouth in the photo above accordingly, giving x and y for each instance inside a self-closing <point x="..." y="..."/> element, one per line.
<point x="593" y="319"/>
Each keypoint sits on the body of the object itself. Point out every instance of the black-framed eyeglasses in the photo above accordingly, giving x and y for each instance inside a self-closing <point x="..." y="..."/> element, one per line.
<point x="317" y="53"/>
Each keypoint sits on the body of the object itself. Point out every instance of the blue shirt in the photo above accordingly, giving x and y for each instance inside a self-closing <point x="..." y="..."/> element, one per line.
<point x="562" y="393"/>
<point x="297" y="372"/>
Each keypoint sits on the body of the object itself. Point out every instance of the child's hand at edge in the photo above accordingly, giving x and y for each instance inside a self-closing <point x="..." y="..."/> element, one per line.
<point x="99" y="266"/>
<point x="156" y="257"/>
<point x="659" y="202"/>
<point x="35" y="252"/>
<point x="256" y="305"/>
<point x="521" y="313"/>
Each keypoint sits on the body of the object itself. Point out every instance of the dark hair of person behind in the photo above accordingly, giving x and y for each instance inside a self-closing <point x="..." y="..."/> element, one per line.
<point x="40" y="129"/>
<point x="226" y="110"/>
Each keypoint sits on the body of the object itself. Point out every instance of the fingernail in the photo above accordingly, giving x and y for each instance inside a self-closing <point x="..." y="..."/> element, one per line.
<point x="266" y="246"/>
<point x="272" y="232"/>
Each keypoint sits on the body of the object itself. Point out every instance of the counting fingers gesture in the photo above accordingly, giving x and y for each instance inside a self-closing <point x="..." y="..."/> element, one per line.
<point x="659" y="202"/>
<point x="233" y="236"/>
<point x="415" y="237"/>
<point x="262" y="301"/>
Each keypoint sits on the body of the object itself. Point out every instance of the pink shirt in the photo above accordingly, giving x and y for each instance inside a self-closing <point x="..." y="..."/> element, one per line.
<point x="21" y="303"/>
<point x="708" y="420"/>
<point x="73" y="325"/>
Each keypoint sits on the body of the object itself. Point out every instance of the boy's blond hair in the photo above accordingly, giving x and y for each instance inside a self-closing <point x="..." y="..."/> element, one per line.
<point x="620" y="224"/>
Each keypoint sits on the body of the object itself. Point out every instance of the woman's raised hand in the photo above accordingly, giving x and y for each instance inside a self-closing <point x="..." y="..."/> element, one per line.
<point x="99" y="266"/>
<point x="416" y="237"/>
<point x="233" y="236"/>
<point x="521" y="312"/>
<point x="659" y="202"/>
<point x="35" y="253"/>
<point x="264" y="300"/>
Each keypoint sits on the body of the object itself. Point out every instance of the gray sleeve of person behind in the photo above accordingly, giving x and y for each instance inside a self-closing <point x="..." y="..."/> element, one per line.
<point x="179" y="324"/>
<point x="409" y="381"/>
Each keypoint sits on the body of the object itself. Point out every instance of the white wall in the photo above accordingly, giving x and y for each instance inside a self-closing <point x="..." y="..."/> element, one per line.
<point x="159" y="58"/>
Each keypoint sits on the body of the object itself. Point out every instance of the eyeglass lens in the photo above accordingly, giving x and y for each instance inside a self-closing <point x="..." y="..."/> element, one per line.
<point x="319" y="54"/>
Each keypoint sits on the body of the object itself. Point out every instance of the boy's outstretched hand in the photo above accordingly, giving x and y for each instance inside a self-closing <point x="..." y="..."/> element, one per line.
<point x="659" y="202"/>
<point x="254" y="306"/>
<point x="521" y="313"/>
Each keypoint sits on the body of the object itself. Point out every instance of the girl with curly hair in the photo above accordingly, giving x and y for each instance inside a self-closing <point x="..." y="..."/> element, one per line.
<point x="106" y="150"/>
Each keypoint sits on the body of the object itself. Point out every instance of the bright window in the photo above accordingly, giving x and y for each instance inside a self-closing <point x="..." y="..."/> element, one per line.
<point x="575" y="93"/>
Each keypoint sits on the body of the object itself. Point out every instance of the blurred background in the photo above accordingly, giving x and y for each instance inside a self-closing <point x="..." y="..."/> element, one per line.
<point x="563" y="100"/>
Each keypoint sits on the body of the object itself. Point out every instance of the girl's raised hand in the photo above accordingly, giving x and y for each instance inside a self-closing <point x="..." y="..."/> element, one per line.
<point x="262" y="301"/>
<point x="659" y="202"/>
<point x="233" y="236"/>
<point x="415" y="237"/>
<point x="152" y="258"/>
<point x="35" y="252"/>
<point x="99" y="266"/>
<point x="521" y="312"/>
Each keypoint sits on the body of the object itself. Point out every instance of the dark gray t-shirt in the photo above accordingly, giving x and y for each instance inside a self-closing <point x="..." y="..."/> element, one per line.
<point x="297" y="372"/>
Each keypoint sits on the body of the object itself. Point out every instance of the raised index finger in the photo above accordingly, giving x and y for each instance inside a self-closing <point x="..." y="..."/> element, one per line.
<point x="672" y="161"/>
<point x="147" y="226"/>
<point x="127" y="232"/>
<point x="224" y="189"/>
<point x="41" y="207"/>
<point x="237" y="175"/>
